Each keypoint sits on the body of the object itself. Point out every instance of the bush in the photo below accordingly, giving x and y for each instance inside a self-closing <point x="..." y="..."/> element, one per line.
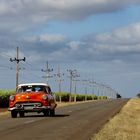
<point x="64" y="96"/>
<point x="118" y="95"/>
<point x="138" y="95"/>
<point x="104" y="97"/>
<point x="80" y="97"/>
<point x="101" y="97"/>
<point x="89" y="97"/>
<point x="4" y="97"/>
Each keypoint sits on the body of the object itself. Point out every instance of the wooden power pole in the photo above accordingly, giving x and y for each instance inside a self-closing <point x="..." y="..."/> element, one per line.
<point x="17" y="60"/>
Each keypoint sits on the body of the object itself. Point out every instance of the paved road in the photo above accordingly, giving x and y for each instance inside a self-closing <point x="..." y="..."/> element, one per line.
<point x="76" y="122"/>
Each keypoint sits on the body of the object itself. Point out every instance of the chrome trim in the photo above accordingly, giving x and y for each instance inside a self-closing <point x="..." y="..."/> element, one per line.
<point x="29" y="108"/>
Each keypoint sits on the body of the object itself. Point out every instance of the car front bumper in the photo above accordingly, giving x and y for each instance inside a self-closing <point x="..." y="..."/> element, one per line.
<point x="32" y="108"/>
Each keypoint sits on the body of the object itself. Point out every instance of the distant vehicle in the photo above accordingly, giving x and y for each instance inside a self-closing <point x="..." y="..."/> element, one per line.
<point x="32" y="97"/>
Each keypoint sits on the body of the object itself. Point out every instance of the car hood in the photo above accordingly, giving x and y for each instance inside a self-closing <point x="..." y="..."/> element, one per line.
<point x="29" y="96"/>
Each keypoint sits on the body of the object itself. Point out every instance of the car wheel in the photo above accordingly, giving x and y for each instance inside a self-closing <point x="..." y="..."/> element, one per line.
<point x="52" y="112"/>
<point x="21" y="114"/>
<point x="46" y="113"/>
<point x="13" y="114"/>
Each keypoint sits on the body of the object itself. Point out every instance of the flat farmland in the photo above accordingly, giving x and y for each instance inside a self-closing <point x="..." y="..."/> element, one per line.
<point x="74" y="122"/>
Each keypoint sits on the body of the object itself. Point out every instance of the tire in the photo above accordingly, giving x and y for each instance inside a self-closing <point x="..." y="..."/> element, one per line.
<point x="52" y="112"/>
<point x="21" y="114"/>
<point x="46" y="113"/>
<point x="13" y="114"/>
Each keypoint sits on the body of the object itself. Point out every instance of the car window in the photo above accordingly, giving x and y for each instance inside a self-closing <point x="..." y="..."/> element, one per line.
<point x="37" y="88"/>
<point x="34" y="88"/>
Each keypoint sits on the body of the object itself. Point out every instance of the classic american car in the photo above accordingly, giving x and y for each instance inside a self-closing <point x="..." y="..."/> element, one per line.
<point x="32" y="97"/>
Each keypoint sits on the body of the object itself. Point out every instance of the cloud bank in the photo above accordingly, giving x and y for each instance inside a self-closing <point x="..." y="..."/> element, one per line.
<point x="21" y="18"/>
<point x="22" y="15"/>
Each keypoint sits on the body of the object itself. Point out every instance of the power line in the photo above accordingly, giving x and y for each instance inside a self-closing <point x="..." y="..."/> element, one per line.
<point x="7" y="67"/>
<point x="30" y="66"/>
<point x="4" y="54"/>
<point x="31" y="73"/>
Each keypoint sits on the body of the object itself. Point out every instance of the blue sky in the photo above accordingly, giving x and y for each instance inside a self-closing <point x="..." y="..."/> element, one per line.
<point x="94" y="24"/>
<point x="99" y="38"/>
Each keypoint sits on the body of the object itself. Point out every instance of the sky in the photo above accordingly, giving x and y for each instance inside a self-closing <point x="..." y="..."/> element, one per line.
<point x="98" y="38"/>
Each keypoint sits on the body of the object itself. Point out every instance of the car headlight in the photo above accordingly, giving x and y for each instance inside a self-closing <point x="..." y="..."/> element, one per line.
<point x="11" y="98"/>
<point x="44" y="97"/>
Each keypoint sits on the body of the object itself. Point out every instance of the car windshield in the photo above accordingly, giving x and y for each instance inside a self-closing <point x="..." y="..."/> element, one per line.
<point x="33" y="88"/>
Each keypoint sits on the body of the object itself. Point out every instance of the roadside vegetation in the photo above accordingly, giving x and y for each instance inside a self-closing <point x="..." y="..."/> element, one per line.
<point x="60" y="97"/>
<point x="4" y="96"/>
<point x="64" y="97"/>
<point x="138" y="95"/>
<point x="124" y="126"/>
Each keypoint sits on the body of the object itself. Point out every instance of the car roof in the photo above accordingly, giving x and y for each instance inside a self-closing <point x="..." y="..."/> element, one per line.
<point x="32" y="84"/>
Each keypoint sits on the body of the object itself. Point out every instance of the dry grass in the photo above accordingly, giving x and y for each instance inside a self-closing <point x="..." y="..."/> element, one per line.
<point x="124" y="126"/>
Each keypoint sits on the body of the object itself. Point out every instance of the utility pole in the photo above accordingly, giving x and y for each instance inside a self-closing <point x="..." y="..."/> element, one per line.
<point x="47" y="71"/>
<point x="75" y="88"/>
<point x="92" y="86"/>
<point x="86" y="90"/>
<point x="72" y="74"/>
<point x="75" y="80"/>
<point x="17" y="65"/>
<point x="58" y="75"/>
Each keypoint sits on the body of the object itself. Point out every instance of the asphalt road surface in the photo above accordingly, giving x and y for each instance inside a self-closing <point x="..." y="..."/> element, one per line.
<point x="76" y="122"/>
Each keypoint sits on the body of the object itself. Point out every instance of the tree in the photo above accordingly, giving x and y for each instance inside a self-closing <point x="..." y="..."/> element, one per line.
<point x="138" y="95"/>
<point x="118" y="95"/>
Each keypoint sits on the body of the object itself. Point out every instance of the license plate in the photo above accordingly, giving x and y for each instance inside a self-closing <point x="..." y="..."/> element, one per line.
<point x="28" y="108"/>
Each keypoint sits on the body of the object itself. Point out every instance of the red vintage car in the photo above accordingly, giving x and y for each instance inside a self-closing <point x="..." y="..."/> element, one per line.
<point x="32" y="97"/>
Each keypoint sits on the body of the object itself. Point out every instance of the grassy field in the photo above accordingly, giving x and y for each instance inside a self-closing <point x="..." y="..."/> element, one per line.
<point x="124" y="126"/>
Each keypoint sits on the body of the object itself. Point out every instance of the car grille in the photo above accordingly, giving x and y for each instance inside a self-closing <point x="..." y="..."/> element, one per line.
<point x="22" y="105"/>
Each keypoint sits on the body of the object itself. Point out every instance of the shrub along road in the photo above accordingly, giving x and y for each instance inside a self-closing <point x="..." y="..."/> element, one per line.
<point x="76" y="122"/>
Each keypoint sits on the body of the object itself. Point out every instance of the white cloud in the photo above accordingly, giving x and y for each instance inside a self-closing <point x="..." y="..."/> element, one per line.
<point x="20" y="17"/>
<point x="124" y="36"/>
<point x="121" y="44"/>
<point x="75" y="45"/>
<point x="52" y="38"/>
<point x="44" y="10"/>
<point x="48" y="38"/>
<point x="122" y="40"/>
